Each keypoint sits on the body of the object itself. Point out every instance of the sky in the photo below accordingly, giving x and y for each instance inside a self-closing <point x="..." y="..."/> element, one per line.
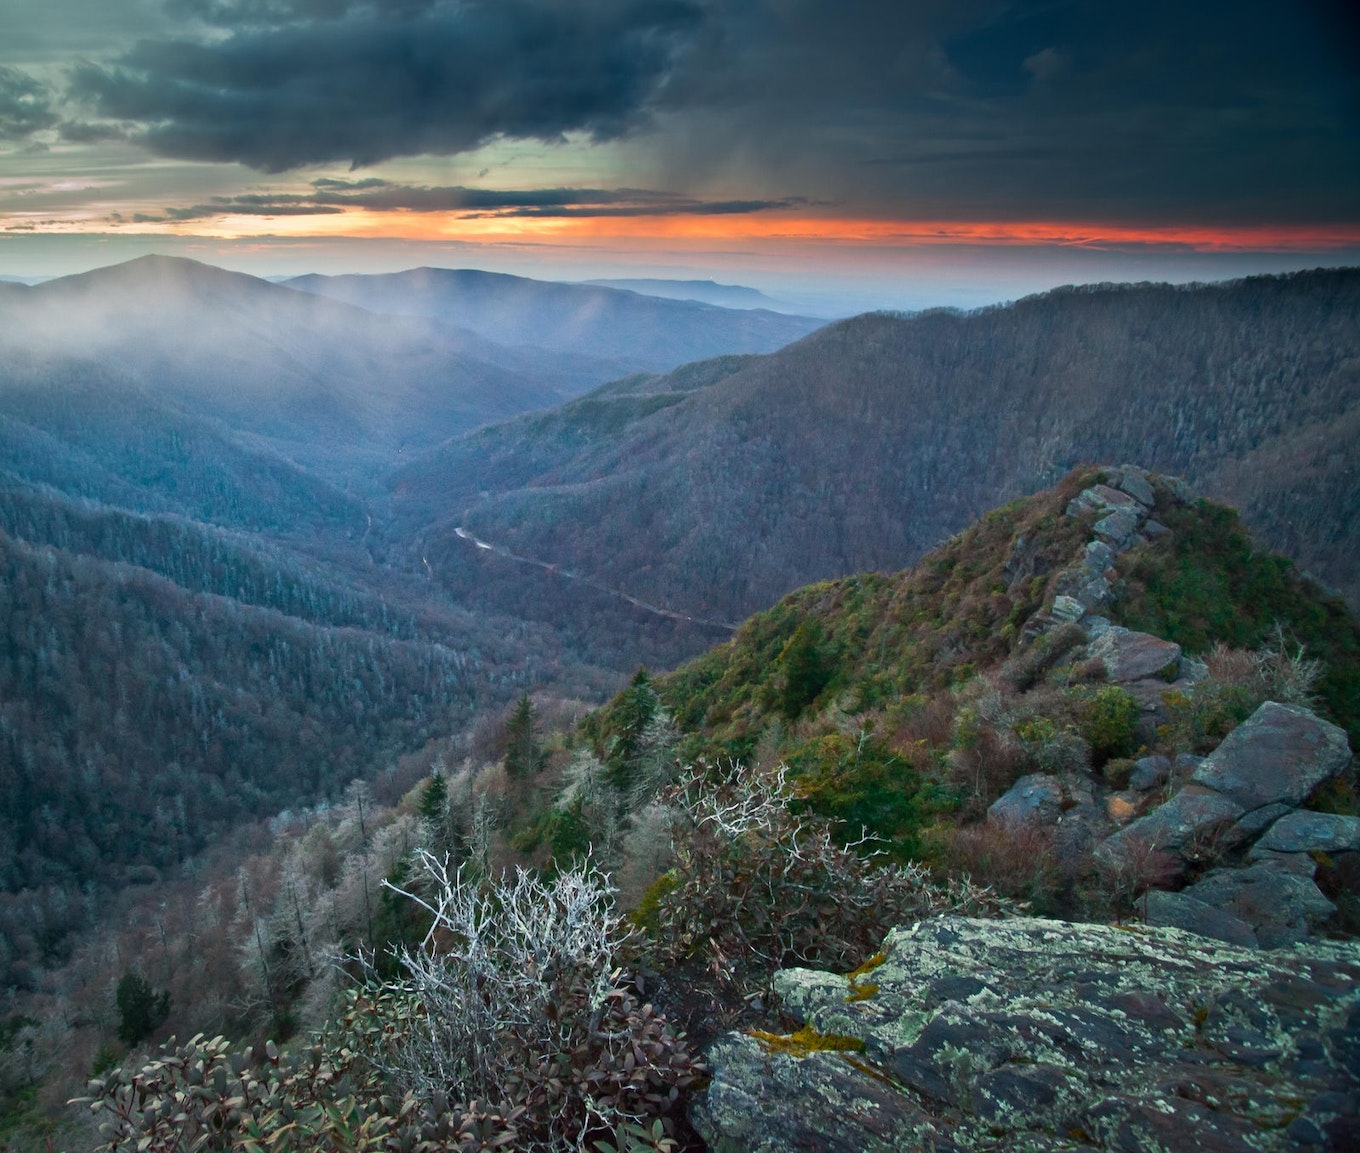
<point x="838" y="154"/>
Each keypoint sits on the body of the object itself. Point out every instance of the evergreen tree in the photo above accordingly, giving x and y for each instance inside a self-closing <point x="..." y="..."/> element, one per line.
<point x="523" y="756"/>
<point x="140" y="1008"/>
<point x="636" y="708"/>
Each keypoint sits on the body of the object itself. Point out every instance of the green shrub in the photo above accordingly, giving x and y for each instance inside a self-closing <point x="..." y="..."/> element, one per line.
<point x="1108" y="722"/>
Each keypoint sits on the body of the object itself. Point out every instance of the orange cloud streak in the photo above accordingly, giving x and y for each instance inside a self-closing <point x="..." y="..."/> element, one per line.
<point x="759" y="228"/>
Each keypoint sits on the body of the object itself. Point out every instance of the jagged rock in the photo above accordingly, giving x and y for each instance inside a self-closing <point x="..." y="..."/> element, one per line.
<point x="1280" y="903"/>
<point x="1253" y="823"/>
<point x="1099" y="558"/>
<point x="1032" y="801"/>
<point x="1134" y="481"/>
<point x="1305" y="832"/>
<point x="1134" y="656"/>
<point x="1281" y="753"/>
<point x="1152" y="529"/>
<point x="1149" y="772"/>
<point x="1120" y="528"/>
<point x="1182" y="911"/>
<point x="1102" y="499"/>
<point x="1067" y="610"/>
<point x="1034" y="1035"/>
<point x="1189" y="824"/>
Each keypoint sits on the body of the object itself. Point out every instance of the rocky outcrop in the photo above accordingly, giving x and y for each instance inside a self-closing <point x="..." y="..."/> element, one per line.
<point x="1242" y="799"/>
<point x="1277" y="756"/>
<point x="1034" y="1035"/>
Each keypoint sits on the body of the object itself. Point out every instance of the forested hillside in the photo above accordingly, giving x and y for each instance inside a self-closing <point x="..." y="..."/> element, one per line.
<point x="868" y="442"/>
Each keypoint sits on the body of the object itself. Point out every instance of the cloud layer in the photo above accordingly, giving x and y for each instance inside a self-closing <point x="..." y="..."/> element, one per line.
<point x="311" y="81"/>
<point x="331" y="196"/>
<point x="1224" y="110"/>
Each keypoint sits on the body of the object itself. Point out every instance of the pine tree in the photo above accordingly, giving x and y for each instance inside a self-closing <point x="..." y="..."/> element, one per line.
<point x="523" y="756"/>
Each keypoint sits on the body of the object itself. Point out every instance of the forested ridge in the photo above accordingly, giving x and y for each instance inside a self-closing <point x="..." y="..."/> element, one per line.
<point x="868" y="442"/>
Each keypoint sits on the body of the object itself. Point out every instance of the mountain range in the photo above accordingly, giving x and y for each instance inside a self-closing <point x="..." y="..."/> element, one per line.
<point x="715" y="489"/>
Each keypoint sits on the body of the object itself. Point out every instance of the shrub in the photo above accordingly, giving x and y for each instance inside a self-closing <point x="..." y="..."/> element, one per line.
<point x="1108" y="722"/>
<point x="514" y="998"/>
<point x="758" y="886"/>
<point x="1015" y="862"/>
<point x="205" y="1096"/>
<point x="510" y="1028"/>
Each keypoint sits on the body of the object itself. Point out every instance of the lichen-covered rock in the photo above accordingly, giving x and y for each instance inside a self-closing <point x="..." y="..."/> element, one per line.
<point x="1279" y="754"/>
<point x="1134" y="656"/>
<point x="1304" y="832"/>
<point x="1033" y="801"/>
<point x="1134" y="481"/>
<point x="1103" y="499"/>
<point x="1029" y="1034"/>
<point x="836" y="1107"/>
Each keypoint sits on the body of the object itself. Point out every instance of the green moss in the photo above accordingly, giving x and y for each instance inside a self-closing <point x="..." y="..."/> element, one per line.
<point x="646" y="915"/>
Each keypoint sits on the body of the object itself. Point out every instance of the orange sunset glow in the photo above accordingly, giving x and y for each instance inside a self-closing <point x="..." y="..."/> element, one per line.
<point x="765" y="227"/>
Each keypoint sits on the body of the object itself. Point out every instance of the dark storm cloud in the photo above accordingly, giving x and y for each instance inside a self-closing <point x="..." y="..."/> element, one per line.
<point x="25" y="105"/>
<point x="378" y="80"/>
<point x="1245" y="109"/>
<point x="1224" y="109"/>
<point x="333" y="196"/>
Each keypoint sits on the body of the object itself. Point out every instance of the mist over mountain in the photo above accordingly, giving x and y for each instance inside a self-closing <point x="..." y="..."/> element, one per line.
<point x="326" y="384"/>
<point x="632" y="331"/>
<point x="716" y="490"/>
<point x="704" y="291"/>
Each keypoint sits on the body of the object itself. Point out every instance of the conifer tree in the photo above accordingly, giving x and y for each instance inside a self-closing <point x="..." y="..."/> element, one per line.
<point x="523" y="756"/>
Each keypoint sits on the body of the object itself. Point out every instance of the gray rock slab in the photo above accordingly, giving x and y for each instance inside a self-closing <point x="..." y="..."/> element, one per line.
<point x="1133" y="481"/>
<point x="1135" y="656"/>
<point x="1181" y="911"/>
<point x="1192" y="821"/>
<point x="763" y="1101"/>
<point x="1281" y="753"/>
<point x="1302" y="831"/>
<point x="1282" y="906"/>
<point x="1012" y="1034"/>
<point x="1103" y="499"/>
<point x="1032" y="801"/>
<point x="1253" y="823"/>
<point x="1067" y="609"/>
<point x="1119" y="528"/>
<point x="1149" y="772"/>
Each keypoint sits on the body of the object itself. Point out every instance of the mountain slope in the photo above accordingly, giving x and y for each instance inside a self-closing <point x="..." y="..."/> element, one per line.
<point x="331" y="386"/>
<point x="866" y="443"/>
<point x="633" y="331"/>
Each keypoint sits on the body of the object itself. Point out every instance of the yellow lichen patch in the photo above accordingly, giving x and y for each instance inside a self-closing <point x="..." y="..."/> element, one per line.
<point x="1120" y="809"/>
<point x="861" y="992"/>
<point x="807" y="1040"/>
<point x="868" y="967"/>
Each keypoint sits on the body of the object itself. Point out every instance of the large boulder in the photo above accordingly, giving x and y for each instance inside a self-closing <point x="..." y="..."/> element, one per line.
<point x="1279" y="754"/>
<point x="1032" y="1035"/>
<point x="1276" y="898"/>
<point x="1034" y="801"/>
<point x="1191" y="825"/>
<point x="1183" y="911"/>
<point x="1134" y="656"/>
<point x="1303" y="832"/>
